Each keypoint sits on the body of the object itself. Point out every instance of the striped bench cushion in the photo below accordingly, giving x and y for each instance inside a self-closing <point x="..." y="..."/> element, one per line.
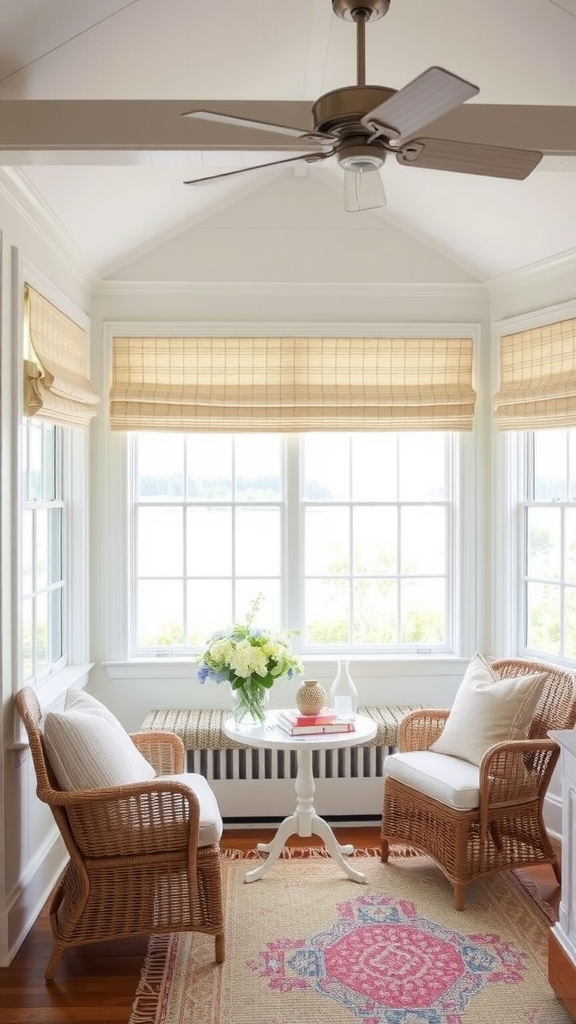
<point x="202" y="729"/>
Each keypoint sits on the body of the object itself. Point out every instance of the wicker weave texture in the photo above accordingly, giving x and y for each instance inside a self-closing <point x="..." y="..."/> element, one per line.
<point x="202" y="729"/>
<point x="506" y="830"/>
<point x="135" y="865"/>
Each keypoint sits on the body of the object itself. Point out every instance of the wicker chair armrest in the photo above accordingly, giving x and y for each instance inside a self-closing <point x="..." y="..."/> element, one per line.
<point x="165" y="750"/>
<point x="102" y="794"/>
<point x="420" y="728"/>
<point x="515" y="771"/>
<point x="145" y="818"/>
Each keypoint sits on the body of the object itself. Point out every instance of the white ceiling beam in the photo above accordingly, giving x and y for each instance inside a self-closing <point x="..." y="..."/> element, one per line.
<point x="141" y="125"/>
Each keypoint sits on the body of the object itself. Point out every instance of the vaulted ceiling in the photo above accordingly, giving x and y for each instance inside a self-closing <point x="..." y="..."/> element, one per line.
<point x="127" y="213"/>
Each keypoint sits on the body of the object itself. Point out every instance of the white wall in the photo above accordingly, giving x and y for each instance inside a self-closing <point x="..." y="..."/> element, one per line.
<point x="32" y="852"/>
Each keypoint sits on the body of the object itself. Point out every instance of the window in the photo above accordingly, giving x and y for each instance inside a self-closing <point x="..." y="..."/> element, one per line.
<point x="350" y="537"/>
<point x="549" y="546"/>
<point x="43" y="586"/>
<point x="51" y="534"/>
<point x="535" y="408"/>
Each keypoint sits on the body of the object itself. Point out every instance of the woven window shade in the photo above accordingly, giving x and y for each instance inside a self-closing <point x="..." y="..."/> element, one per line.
<point x="538" y="378"/>
<point x="56" y="386"/>
<point x="291" y="384"/>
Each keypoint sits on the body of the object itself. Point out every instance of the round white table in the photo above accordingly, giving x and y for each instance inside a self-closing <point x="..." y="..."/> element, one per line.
<point x="304" y="821"/>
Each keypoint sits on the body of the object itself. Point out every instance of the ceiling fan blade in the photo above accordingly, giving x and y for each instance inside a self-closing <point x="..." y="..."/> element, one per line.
<point x="318" y="138"/>
<point x="425" y="99"/>
<point x="469" y="158"/>
<point x="363" y="190"/>
<point x="552" y="130"/>
<point x="309" y="157"/>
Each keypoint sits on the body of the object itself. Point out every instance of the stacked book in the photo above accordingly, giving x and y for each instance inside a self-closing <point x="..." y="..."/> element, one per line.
<point x="297" y="724"/>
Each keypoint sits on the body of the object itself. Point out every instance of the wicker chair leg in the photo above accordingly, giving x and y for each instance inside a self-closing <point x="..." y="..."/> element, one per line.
<point x="557" y="868"/>
<point x="459" y="888"/>
<point x="54" y="961"/>
<point x="220" y="949"/>
<point x="384" y="851"/>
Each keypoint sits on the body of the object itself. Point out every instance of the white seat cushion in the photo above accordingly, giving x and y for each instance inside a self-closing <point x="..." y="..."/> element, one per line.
<point x="450" y="780"/>
<point x="210" y="827"/>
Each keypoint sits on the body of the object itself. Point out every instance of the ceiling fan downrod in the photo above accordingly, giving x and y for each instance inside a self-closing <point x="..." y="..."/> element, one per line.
<point x="360" y="12"/>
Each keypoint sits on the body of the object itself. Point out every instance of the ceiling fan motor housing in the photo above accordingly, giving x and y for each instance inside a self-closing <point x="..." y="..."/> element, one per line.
<point x="342" y="109"/>
<point x="349" y="9"/>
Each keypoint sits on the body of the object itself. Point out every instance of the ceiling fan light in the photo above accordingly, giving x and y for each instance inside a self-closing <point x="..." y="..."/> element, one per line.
<point x="360" y="157"/>
<point x="363" y="189"/>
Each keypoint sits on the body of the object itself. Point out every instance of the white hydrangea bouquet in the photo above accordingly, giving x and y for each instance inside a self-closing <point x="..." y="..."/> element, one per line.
<point x="250" y="660"/>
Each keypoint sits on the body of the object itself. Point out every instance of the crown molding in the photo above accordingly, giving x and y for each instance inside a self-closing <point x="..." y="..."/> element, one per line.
<point x="29" y="205"/>
<point x="290" y="288"/>
<point x="291" y="328"/>
<point x="562" y="263"/>
<point x="537" y="317"/>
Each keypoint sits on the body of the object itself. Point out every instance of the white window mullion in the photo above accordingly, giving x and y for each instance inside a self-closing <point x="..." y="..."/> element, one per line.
<point x="292" y="533"/>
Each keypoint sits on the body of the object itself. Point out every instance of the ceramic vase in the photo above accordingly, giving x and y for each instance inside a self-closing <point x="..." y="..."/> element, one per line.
<point x="310" y="697"/>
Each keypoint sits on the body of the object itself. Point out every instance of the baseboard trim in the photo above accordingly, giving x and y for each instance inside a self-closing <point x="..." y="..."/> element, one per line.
<point x="30" y="899"/>
<point x="562" y="971"/>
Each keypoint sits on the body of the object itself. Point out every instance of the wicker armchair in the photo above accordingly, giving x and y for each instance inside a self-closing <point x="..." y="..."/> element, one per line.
<point x="135" y="866"/>
<point x="504" y="829"/>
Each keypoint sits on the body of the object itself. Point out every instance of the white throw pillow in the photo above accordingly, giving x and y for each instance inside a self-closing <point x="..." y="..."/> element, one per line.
<point x="79" y="700"/>
<point x="91" y="750"/>
<point x="488" y="710"/>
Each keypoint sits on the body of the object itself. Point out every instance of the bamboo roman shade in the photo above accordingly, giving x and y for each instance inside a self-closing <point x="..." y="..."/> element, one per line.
<point x="56" y="386"/>
<point x="538" y="378"/>
<point x="291" y="384"/>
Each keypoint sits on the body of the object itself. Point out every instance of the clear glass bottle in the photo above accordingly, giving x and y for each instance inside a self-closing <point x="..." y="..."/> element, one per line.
<point x="343" y="693"/>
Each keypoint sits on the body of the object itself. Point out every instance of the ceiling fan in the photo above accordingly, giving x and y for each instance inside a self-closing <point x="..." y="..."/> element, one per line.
<point x="362" y="124"/>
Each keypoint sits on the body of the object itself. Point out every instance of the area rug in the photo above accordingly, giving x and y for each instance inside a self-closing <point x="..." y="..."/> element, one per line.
<point x="306" y="944"/>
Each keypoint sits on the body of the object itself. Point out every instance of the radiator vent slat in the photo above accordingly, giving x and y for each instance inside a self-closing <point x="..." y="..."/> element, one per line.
<point x="348" y="763"/>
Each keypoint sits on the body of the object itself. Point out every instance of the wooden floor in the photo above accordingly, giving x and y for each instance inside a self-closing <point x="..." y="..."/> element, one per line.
<point x="96" y="984"/>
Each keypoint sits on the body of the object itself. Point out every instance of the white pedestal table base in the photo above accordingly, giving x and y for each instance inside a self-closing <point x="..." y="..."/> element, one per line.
<point x="304" y="822"/>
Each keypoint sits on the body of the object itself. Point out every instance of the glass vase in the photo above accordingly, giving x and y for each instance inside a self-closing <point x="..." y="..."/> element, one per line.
<point x="343" y="693"/>
<point x="250" y="703"/>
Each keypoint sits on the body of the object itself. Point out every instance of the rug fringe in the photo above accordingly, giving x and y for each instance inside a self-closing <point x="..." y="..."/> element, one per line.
<point x="533" y="890"/>
<point x="145" y="1002"/>
<point x="293" y="852"/>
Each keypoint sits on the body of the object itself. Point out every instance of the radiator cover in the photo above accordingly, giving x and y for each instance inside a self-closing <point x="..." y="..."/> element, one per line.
<point x="251" y="763"/>
<point x="252" y="785"/>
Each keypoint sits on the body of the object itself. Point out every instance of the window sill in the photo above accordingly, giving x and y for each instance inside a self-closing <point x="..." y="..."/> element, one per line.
<point x="54" y="686"/>
<point x="361" y="667"/>
<point x="48" y="692"/>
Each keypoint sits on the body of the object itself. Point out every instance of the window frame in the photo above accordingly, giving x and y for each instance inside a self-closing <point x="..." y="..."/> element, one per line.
<point x="510" y="461"/>
<point x="74" y="665"/>
<point x="34" y="505"/>
<point x="466" y="556"/>
<point x="529" y="502"/>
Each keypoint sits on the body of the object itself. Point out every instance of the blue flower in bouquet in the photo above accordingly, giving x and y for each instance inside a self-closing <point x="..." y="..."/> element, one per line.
<point x="250" y="659"/>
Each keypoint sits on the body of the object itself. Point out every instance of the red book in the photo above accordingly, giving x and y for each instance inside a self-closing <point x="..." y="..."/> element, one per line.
<point x="293" y="717"/>
<point x="307" y="730"/>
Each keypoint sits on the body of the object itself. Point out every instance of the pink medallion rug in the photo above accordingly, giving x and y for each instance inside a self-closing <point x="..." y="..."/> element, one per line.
<point x="306" y="944"/>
